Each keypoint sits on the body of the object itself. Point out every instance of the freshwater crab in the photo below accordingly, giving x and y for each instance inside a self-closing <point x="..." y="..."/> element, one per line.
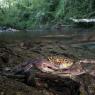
<point x="59" y="65"/>
<point x="35" y="72"/>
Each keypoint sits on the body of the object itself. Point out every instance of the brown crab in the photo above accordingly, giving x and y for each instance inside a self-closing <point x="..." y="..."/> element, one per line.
<point x="59" y="65"/>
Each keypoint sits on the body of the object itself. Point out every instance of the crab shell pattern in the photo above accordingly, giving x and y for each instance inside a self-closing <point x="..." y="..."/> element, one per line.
<point x="61" y="62"/>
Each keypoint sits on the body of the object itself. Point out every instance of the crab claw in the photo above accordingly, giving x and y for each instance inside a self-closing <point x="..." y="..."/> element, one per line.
<point x="51" y="66"/>
<point x="92" y="61"/>
<point x="46" y="66"/>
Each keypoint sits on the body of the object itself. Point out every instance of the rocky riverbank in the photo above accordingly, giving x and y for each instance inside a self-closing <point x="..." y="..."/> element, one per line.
<point x="8" y="29"/>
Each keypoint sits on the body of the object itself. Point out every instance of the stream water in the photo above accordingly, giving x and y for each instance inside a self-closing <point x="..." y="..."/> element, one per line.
<point x="77" y="42"/>
<point x="76" y="36"/>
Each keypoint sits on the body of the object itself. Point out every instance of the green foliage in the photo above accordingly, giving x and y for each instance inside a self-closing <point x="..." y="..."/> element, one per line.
<point x="31" y="13"/>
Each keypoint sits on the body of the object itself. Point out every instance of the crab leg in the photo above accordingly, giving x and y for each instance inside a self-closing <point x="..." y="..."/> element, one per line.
<point x="92" y="73"/>
<point x="92" y="61"/>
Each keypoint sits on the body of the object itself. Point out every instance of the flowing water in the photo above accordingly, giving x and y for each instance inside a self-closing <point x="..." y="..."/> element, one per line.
<point x="75" y="36"/>
<point x="76" y="42"/>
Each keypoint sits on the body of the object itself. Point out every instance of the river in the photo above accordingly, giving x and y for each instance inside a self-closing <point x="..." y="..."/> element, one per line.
<point x="16" y="47"/>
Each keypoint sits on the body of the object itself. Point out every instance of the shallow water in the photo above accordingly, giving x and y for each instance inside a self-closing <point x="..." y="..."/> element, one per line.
<point x="77" y="43"/>
<point x="77" y="38"/>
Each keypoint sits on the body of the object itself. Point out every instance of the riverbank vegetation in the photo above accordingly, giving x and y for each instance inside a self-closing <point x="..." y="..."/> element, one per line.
<point x="27" y="14"/>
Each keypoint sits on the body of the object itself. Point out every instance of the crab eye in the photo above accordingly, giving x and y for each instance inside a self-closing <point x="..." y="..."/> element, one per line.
<point x="65" y="60"/>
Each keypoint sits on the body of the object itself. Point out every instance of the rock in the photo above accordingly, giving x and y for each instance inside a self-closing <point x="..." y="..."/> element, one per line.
<point x="12" y="87"/>
<point x="11" y="30"/>
<point x="87" y="84"/>
<point x="5" y="29"/>
<point x="58" y="85"/>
